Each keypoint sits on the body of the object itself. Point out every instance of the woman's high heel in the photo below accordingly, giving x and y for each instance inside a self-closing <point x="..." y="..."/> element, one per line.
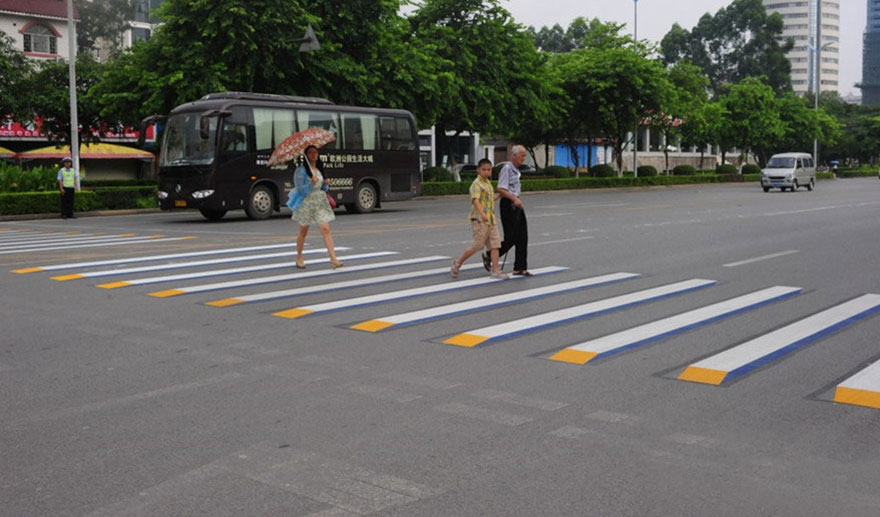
<point x="300" y="263"/>
<point x="336" y="264"/>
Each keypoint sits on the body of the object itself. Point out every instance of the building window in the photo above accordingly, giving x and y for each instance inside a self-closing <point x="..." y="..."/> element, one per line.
<point x="40" y="39"/>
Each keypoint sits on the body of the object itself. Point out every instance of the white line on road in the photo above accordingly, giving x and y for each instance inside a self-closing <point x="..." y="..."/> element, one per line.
<point x="763" y="257"/>
<point x="293" y="276"/>
<point x="120" y="242"/>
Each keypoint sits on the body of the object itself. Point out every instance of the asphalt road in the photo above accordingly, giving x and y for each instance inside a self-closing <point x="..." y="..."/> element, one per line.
<point x="116" y="402"/>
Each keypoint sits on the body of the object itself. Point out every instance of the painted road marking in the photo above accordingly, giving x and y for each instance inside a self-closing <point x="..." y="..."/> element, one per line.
<point x="233" y="271"/>
<point x="299" y="291"/>
<point x="297" y="312"/>
<point x="79" y="240"/>
<point x="862" y="389"/>
<point x="294" y="276"/>
<point x="130" y="260"/>
<point x="584" y="352"/>
<point x="763" y="257"/>
<point x="136" y="240"/>
<point x="741" y="359"/>
<point x="37" y="237"/>
<point x="61" y="240"/>
<point x="444" y="311"/>
<point x="507" y="329"/>
<point x="181" y="265"/>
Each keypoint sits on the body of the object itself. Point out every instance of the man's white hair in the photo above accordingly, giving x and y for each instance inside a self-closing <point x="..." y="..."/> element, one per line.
<point x="517" y="149"/>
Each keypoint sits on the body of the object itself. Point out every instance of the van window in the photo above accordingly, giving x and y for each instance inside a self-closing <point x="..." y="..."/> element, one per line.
<point x="396" y="133"/>
<point x="799" y="164"/>
<point x="359" y="131"/>
<point x="777" y="162"/>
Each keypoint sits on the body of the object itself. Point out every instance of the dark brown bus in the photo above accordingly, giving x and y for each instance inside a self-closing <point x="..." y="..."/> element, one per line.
<point x="214" y="152"/>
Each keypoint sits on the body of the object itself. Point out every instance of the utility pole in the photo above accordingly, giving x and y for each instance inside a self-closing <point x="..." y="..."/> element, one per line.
<point x="71" y="61"/>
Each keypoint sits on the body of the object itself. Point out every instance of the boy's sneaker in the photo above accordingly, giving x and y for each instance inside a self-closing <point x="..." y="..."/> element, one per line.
<point x="487" y="261"/>
<point x="500" y="275"/>
<point x="455" y="268"/>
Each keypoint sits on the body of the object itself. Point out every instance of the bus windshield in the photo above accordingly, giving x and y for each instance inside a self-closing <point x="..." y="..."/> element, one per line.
<point x="183" y="143"/>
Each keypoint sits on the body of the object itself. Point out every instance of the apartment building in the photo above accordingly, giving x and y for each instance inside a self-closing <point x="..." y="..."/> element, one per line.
<point x="37" y="27"/>
<point x="814" y="25"/>
<point x="870" y="84"/>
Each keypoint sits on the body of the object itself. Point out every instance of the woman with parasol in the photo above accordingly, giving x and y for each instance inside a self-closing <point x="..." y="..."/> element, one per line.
<point x="308" y="199"/>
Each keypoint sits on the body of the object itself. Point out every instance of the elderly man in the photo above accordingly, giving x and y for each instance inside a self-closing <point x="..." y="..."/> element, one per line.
<point x="513" y="215"/>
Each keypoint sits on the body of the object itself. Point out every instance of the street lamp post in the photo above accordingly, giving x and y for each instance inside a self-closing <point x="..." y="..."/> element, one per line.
<point x="71" y="59"/>
<point x="636" y="132"/>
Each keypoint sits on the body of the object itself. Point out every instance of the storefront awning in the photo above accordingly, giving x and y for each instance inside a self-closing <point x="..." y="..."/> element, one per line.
<point x="6" y="153"/>
<point x="88" y="152"/>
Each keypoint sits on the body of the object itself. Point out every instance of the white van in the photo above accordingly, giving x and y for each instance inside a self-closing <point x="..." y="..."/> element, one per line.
<point x="789" y="170"/>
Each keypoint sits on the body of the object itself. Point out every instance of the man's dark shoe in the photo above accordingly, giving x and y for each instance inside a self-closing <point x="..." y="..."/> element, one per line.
<point x="487" y="261"/>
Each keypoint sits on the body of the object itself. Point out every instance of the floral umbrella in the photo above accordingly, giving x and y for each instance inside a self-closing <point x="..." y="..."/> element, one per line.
<point x="294" y="145"/>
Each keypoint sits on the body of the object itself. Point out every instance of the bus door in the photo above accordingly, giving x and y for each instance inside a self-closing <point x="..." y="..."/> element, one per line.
<point x="235" y="163"/>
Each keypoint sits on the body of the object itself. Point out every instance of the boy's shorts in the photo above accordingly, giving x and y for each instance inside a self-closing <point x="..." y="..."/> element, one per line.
<point x="485" y="235"/>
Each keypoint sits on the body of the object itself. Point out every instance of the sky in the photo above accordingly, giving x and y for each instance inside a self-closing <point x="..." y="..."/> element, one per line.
<point x="655" y="18"/>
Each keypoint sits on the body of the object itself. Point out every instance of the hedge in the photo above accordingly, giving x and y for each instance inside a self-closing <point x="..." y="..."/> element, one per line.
<point x="446" y="188"/>
<point x="104" y="198"/>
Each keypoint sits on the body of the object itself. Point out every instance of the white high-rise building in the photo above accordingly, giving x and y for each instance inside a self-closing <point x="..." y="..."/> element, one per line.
<point x="802" y="24"/>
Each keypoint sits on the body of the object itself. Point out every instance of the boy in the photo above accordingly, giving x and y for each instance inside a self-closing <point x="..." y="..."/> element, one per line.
<point x="482" y="217"/>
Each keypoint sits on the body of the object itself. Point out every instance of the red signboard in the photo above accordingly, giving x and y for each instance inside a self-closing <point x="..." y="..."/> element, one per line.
<point x="10" y="130"/>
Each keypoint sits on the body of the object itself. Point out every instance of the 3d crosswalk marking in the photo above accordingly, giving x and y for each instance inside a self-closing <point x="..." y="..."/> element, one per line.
<point x="77" y="240"/>
<point x="66" y="239"/>
<point x="149" y="258"/>
<point x="182" y="265"/>
<point x="735" y="362"/>
<point x="584" y="352"/>
<point x="237" y="270"/>
<point x="48" y="236"/>
<point x="511" y="328"/>
<point x="297" y="312"/>
<point x="299" y="291"/>
<point x="133" y="240"/>
<point x="443" y="311"/>
<point x="862" y="389"/>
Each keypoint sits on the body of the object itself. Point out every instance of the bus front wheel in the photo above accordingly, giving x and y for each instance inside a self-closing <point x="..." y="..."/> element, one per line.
<point x="212" y="215"/>
<point x="261" y="203"/>
<point x="365" y="199"/>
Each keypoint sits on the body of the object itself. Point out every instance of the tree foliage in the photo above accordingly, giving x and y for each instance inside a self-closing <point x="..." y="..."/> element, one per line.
<point x="103" y="20"/>
<point x="753" y="118"/>
<point x="487" y="64"/>
<point x="14" y="67"/>
<point x="740" y="41"/>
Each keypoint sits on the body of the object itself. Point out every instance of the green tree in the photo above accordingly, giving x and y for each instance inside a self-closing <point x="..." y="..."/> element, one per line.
<point x="486" y="62"/>
<point x="105" y="20"/>
<point x="802" y="124"/>
<point x="684" y="102"/>
<point x="859" y="138"/>
<point x="753" y="117"/>
<point x="47" y="99"/>
<point x="740" y="41"/>
<point x="703" y="127"/>
<point x="14" y="68"/>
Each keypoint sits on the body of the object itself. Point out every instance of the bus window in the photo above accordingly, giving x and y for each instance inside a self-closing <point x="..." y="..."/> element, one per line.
<point x="322" y="119"/>
<point x="396" y="133"/>
<point x="271" y="126"/>
<point x="359" y="131"/>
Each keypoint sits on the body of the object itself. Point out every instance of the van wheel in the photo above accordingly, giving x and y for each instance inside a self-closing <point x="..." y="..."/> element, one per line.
<point x="261" y="203"/>
<point x="212" y="215"/>
<point x="794" y="186"/>
<point x="766" y="189"/>
<point x="811" y="184"/>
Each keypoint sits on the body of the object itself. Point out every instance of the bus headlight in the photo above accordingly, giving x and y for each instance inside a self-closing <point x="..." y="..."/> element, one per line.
<point x="202" y="194"/>
<point x="162" y="194"/>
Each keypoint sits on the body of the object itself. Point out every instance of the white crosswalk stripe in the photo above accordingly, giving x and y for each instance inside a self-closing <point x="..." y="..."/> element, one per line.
<point x="507" y="329"/>
<point x="297" y="312"/>
<point x="739" y="360"/>
<point x="582" y="353"/>
<point x="444" y="311"/>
